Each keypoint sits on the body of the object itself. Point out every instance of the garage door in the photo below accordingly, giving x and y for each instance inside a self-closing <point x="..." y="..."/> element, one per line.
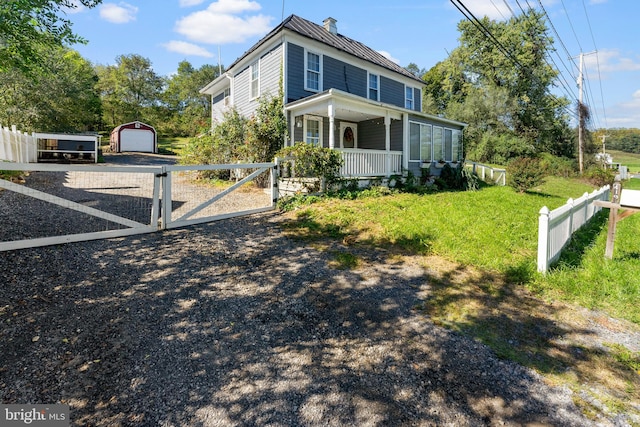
<point x="136" y="140"/>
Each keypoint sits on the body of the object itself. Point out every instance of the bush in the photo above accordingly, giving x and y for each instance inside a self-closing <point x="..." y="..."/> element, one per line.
<point x="524" y="173"/>
<point x="599" y="177"/>
<point x="558" y="166"/>
<point x="310" y="161"/>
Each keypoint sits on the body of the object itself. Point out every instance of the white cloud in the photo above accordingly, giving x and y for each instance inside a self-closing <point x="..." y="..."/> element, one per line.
<point x="610" y="61"/>
<point x="187" y="3"/>
<point x="187" y="49"/>
<point x="233" y="6"/>
<point x="120" y="13"/>
<point x="388" y="56"/>
<point x="222" y="22"/>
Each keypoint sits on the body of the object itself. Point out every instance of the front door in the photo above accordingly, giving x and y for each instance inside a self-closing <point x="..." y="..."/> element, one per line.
<point x="348" y="135"/>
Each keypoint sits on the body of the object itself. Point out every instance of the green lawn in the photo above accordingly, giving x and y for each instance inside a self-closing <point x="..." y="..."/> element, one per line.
<point x="173" y="145"/>
<point x="479" y="249"/>
<point x="631" y="160"/>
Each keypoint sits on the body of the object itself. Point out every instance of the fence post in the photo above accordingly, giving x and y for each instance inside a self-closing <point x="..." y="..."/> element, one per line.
<point x="571" y="206"/>
<point x="543" y="240"/>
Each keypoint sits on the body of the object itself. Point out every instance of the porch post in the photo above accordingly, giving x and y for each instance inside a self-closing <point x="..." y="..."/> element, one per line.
<point x="387" y="140"/>
<point x="332" y="118"/>
<point x="405" y="141"/>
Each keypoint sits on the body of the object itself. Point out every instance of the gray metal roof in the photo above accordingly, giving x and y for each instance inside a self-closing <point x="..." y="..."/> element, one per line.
<point x="345" y="44"/>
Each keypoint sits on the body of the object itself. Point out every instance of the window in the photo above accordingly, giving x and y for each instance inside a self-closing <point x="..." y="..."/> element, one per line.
<point x="374" y="84"/>
<point x="456" y="144"/>
<point x="437" y="144"/>
<point x="408" y="97"/>
<point x="313" y="66"/>
<point x="227" y="96"/>
<point x="448" y="145"/>
<point x="255" y="80"/>
<point x="313" y="130"/>
<point x="419" y="142"/>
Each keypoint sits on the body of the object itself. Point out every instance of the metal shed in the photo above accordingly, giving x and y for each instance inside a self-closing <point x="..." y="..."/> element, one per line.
<point x="134" y="136"/>
<point x="67" y="147"/>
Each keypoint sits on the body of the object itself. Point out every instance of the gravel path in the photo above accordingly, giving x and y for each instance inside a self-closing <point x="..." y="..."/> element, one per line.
<point x="233" y="323"/>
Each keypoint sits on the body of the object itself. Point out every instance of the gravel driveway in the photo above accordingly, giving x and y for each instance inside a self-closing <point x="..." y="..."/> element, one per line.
<point x="234" y="323"/>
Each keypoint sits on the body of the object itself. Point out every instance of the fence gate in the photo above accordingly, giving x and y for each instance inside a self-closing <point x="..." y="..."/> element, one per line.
<point x="73" y="203"/>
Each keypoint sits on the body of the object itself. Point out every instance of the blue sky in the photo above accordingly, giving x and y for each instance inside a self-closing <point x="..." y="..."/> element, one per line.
<point x="422" y="32"/>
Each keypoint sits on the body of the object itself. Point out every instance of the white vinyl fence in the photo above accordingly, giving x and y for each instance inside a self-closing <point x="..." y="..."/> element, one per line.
<point x="488" y="173"/>
<point x="556" y="227"/>
<point x="16" y="146"/>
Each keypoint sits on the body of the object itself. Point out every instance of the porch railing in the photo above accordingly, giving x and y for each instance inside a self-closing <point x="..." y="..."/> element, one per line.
<point x="360" y="162"/>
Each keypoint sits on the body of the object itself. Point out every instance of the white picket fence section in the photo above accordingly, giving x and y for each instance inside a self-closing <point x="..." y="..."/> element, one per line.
<point x="361" y="163"/>
<point x="556" y="227"/>
<point x="496" y="175"/>
<point x="16" y="146"/>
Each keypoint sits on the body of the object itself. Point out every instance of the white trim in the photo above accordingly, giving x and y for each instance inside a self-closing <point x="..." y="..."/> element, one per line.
<point x="306" y="69"/>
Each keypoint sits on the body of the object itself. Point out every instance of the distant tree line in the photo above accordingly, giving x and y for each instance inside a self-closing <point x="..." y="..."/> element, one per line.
<point x="627" y="140"/>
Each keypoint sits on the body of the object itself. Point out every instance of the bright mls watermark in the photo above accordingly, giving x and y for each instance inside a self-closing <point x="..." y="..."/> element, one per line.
<point x="34" y="415"/>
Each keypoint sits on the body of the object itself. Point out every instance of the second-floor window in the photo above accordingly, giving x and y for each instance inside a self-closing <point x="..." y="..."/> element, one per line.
<point x="408" y="97"/>
<point x="312" y="79"/>
<point x="374" y="85"/>
<point x="255" y="79"/>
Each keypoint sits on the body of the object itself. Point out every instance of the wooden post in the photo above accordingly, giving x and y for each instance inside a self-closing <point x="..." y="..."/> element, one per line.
<point x="613" y="219"/>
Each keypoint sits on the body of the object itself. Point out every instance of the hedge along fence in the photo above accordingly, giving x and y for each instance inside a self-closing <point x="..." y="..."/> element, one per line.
<point x="16" y="146"/>
<point x="556" y="227"/>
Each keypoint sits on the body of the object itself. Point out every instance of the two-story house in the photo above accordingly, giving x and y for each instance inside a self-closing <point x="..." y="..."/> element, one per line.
<point x="340" y="94"/>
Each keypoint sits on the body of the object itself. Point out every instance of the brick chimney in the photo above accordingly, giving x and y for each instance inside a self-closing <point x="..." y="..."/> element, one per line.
<point x="330" y="25"/>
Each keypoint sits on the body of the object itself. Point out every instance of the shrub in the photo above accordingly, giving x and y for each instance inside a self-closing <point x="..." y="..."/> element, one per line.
<point x="524" y="173"/>
<point x="310" y="161"/>
<point x="558" y="166"/>
<point x="599" y="177"/>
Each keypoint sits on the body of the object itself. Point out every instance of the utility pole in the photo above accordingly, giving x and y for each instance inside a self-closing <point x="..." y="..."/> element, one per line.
<point x="580" y="120"/>
<point x="580" y="113"/>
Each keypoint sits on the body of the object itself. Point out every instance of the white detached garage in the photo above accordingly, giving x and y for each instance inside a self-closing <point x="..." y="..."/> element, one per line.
<point x="134" y="136"/>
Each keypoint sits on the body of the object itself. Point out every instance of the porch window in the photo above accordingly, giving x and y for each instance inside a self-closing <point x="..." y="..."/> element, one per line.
<point x="374" y="84"/>
<point x="420" y="142"/>
<point x="313" y="131"/>
<point x="448" y="145"/>
<point x="438" y="145"/>
<point x="456" y="143"/>
<point x="312" y="81"/>
<point x="408" y="97"/>
<point x="255" y="79"/>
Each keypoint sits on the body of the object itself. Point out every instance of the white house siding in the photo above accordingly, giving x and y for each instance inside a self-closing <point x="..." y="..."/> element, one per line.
<point x="270" y="70"/>
<point x="270" y="67"/>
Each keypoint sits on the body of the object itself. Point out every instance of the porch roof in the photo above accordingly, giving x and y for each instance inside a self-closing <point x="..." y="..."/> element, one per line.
<point x="347" y="106"/>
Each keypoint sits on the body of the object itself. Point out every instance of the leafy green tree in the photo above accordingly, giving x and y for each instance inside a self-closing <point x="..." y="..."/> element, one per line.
<point x="61" y="98"/>
<point x="502" y="87"/>
<point x="130" y="90"/>
<point x="28" y="26"/>
<point x="189" y="110"/>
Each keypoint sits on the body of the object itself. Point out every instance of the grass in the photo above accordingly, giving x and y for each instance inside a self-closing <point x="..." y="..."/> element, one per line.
<point x="173" y="145"/>
<point x="480" y="251"/>
<point x="631" y="160"/>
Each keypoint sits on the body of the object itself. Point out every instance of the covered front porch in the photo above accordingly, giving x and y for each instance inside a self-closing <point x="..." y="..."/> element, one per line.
<point x="370" y="135"/>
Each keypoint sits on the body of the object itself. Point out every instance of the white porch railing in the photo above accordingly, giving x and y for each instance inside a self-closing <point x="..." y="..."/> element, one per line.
<point x="361" y="162"/>
<point x="556" y="227"/>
